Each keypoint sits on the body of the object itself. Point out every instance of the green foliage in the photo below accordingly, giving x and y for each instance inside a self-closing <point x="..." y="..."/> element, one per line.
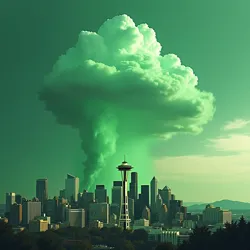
<point x="233" y="236"/>
<point x="49" y="241"/>
<point x="165" y="246"/>
<point x="139" y="235"/>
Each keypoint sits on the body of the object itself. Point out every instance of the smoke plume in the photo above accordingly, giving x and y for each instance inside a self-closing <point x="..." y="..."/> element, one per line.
<point x="116" y="84"/>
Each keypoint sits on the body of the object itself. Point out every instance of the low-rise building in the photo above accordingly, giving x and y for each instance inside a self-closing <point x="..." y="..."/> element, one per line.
<point x="75" y="217"/>
<point x="36" y="226"/>
<point x="141" y="223"/>
<point x="172" y="236"/>
<point x="96" y="224"/>
<point x="214" y="215"/>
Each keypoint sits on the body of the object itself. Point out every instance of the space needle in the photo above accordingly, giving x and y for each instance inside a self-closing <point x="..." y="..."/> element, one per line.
<point x="124" y="220"/>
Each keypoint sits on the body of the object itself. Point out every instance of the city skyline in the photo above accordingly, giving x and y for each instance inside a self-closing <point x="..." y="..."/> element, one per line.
<point x="211" y="166"/>
<point x="101" y="189"/>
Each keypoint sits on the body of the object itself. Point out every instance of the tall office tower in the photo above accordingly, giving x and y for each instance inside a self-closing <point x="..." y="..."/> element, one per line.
<point x="159" y="202"/>
<point x="61" y="211"/>
<point x="124" y="220"/>
<point x="31" y="209"/>
<point x="172" y="197"/>
<point x="165" y="195"/>
<point x="71" y="188"/>
<point x="115" y="209"/>
<point x="18" y="199"/>
<point x="144" y="197"/>
<point x="184" y="211"/>
<point x="16" y="214"/>
<point x="86" y="199"/>
<point x="163" y="214"/>
<point x="100" y="194"/>
<point x="99" y="211"/>
<point x="52" y="208"/>
<point x="175" y="207"/>
<point x="133" y="186"/>
<point x="42" y="191"/>
<point x="154" y="192"/>
<point x="10" y="200"/>
<point x="131" y="209"/>
<point x="62" y="193"/>
<point x="75" y="217"/>
<point x="116" y="194"/>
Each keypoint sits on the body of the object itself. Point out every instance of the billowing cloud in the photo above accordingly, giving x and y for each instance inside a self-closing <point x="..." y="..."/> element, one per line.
<point x="236" y="124"/>
<point x="115" y="85"/>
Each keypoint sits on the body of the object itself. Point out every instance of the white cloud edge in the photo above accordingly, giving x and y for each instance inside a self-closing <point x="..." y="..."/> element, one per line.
<point x="236" y="124"/>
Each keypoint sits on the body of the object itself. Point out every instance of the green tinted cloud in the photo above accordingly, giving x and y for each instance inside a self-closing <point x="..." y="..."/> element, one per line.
<point x="116" y="82"/>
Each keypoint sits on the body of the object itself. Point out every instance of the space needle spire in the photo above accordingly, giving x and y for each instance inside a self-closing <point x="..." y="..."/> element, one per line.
<point x="124" y="220"/>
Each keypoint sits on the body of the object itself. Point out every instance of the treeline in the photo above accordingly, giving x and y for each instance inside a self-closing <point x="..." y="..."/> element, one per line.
<point x="74" y="238"/>
<point x="235" y="236"/>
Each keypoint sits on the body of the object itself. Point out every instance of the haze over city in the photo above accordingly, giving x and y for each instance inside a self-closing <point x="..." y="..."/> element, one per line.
<point x="208" y="166"/>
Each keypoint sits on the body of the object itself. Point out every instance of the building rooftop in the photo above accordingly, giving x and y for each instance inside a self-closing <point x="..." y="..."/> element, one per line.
<point x="70" y="176"/>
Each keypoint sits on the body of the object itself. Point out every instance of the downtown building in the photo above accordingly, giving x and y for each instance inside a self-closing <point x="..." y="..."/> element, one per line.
<point x="42" y="191"/>
<point x="215" y="215"/>
<point x="71" y="188"/>
<point x="75" y="217"/>
<point x="30" y="210"/>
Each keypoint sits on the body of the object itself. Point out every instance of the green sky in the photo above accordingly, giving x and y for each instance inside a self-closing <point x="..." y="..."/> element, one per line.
<point x="212" y="38"/>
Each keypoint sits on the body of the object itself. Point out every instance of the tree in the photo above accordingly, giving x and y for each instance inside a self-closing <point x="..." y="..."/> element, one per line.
<point x="242" y="224"/>
<point x="5" y="228"/>
<point x="24" y="241"/>
<point x="49" y="241"/>
<point x="6" y="236"/>
<point x="139" y="235"/>
<point x="200" y="238"/>
<point x="125" y="245"/>
<point x="165" y="246"/>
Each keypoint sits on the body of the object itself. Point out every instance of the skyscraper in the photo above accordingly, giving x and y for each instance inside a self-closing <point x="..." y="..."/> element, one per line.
<point x="9" y="201"/>
<point x="18" y="199"/>
<point x="133" y="186"/>
<point x="100" y="194"/>
<point x="116" y="195"/>
<point x="71" y="187"/>
<point x="144" y="197"/>
<point x="16" y="214"/>
<point x="165" y="195"/>
<point x="52" y="208"/>
<point x="154" y="192"/>
<point x="42" y="191"/>
<point x="31" y="209"/>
